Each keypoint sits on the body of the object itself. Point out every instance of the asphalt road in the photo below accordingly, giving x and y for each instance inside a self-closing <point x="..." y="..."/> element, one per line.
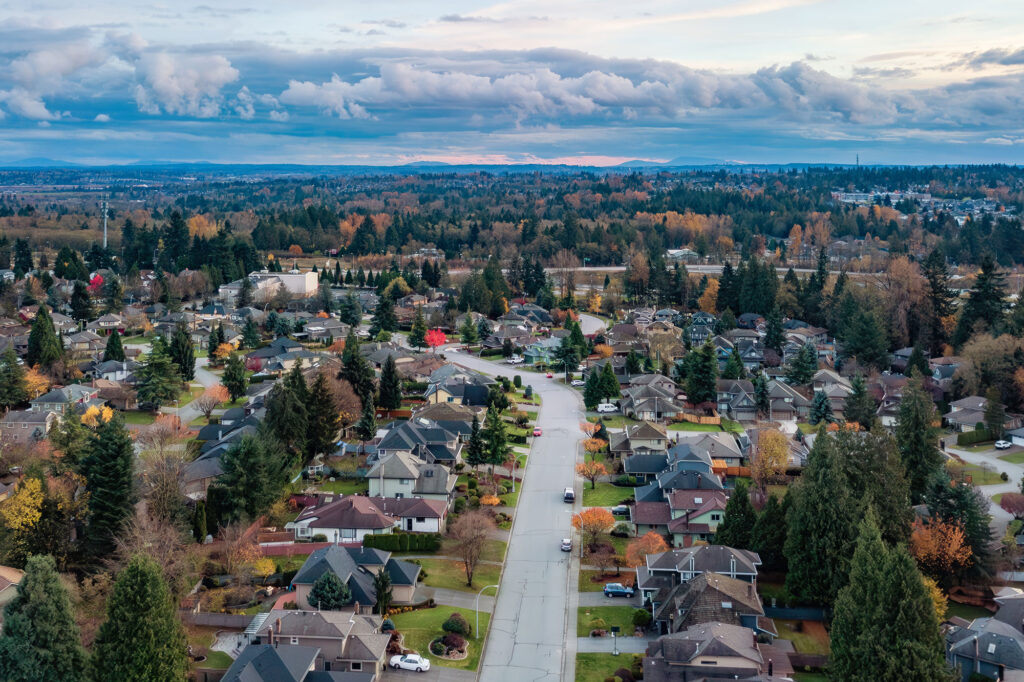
<point x="531" y="620"/>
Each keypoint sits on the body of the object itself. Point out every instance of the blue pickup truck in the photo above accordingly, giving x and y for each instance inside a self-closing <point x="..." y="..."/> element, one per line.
<point x="617" y="590"/>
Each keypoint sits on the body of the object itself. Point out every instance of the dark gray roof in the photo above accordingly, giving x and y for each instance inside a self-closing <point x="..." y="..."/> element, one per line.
<point x="266" y="663"/>
<point x="645" y="464"/>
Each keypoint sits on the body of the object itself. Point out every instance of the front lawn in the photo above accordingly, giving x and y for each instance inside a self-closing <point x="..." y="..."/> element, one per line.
<point x="423" y="626"/>
<point x="810" y="677"/>
<point x="599" y="667"/>
<point x="345" y="486"/>
<point x="965" y="611"/>
<point x="188" y="394"/>
<point x="811" y="639"/>
<point x="605" y="495"/>
<point x="587" y="583"/>
<point x="611" y="615"/>
<point x="727" y="425"/>
<point x="139" y="418"/>
<point x="511" y="499"/>
<point x="217" y="660"/>
<point x="1014" y="457"/>
<point x="449" y="574"/>
<point x="979" y="475"/>
<point x="614" y="422"/>
<point x="494" y="550"/>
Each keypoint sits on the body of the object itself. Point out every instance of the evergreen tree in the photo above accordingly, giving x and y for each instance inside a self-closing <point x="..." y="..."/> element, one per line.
<point x="81" y="304"/>
<point x="286" y="416"/>
<point x="576" y="336"/>
<point x="775" y="335"/>
<point x="495" y="437"/>
<point x="349" y="311"/>
<point x="251" y="334"/>
<point x="986" y="306"/>
<point x="769" y="535"/>
<point x="610" y="388"/>
<point x="820" y="534"/>
<point x="382" y="591"/>
<point x="366" y="427"/>
<point x="234" y="378"/>
<point x="633" y="364"/>
<point x="967" y="506"/>
<point x="142" y="639"/>
<point x="418" y="332"/>
<point x="114" y="350"/>
<point x="865" y="339"/>
<point x="737" y="527"/>
<point x="917" y="362"/>
<point x="483" y="329"/>
<point x="255" y="469"/>
<point x="468" y="331"/>
<point x="323" y="417"/>
<point x="245" y="294"/>
<point x="329" y="593"/>
<point x="384" y="317"/>
<point x="110" y="482"/>
<point x="940" y="299"/>
<point x="199" y="529"/>
<point x="885" y="627"/>
<point x="357" y="370"/>
<point x="860" y="407"/>
<point x="803" y="367"/>
<point x="390" y="389"/>
<point x="476" y="448"/>
<point x="508" y="349"/>
<point x="821" y="409"/>
<point x="158" y="377"/>
<point x="567" y="356"/>
<point x="40" y="639"/>
<point x="44" y="348"/>
<point x="762" y="398"/>
<point x="995" y="413"/>
<point x="183" y="354"/>
<point x="295" y="382"/>
<point x="13" y="387"/>
<point x="593" y="391"/>
<point x="71" y="438"/>
<point x="875" y="475"/>
<point x="702" y="375"/>
<point x="113" y="295"/>
<point x="916" y="438"/>
<point x="22" y="258"/>
<point x="734" y="368"/>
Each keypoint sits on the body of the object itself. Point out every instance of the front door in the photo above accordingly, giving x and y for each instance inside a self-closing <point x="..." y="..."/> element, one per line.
<point x="408" y="524"/>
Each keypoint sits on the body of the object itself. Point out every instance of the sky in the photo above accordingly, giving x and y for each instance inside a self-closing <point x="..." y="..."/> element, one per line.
<point x="586" y="82"/>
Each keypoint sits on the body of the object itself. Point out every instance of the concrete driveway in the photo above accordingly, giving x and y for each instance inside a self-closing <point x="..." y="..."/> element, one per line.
<point x="1014" y="473"/>
<point x="532" y="620"/>
<point x="598" y="599"/>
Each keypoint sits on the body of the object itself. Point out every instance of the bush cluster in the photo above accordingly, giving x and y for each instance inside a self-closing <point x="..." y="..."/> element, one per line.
<point x="404" y="542"/>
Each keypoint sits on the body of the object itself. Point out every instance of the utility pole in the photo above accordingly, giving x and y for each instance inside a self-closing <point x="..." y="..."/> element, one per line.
<point x="104" y="207"/>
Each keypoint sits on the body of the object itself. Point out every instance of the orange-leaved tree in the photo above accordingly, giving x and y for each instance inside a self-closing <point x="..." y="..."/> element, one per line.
<point x="940" y="547"/>
<point x="592" y="523"/>
<point x="649" y="543"/>
<point x="594" y="445"/>
<point x="590" y="428"/>
<point x="210" y="399"/>
<point x="590" y="470"/>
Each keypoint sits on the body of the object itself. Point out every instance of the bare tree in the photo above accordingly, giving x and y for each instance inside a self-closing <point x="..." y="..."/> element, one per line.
<point x="159" y="435"/>
<point x="165" y="543"/>
<point x="345" y="400"/>
<point x="470" y="533"/>
<point x="162" y="478"/>
<point x="603" y="558"/>
<point x="210" y="399"/>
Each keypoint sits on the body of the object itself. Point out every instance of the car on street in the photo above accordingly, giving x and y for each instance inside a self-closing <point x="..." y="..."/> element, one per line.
<point x="620" y="510"/>
<point x="578" y="382"/>
<point x="537" y="431"/>
<point x="617" y="590"/>
<point x="607" y="407"/>
<point x="549" y="375"/>
<point x="410" y="662"/>
<point x="569" y="495"/>
<point x="1003" y="444"/>
<point x="566" y="544"/>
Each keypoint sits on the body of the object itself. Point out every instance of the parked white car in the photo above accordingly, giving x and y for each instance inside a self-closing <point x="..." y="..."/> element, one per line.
<point x="1003" y="445"/>
<point x="578" y="382"/>
<point x="410" y="662"/>
<point x="607" y="407"/>
<point x="515" y="360"/>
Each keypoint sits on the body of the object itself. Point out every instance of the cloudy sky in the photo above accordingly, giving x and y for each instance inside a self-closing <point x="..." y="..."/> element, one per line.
<point x="574" y="81"/>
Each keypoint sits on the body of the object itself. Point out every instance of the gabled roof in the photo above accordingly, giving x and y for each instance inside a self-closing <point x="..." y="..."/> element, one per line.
<point x="394" y="465"/>
<point x="707" y="640"/>
<point x="704" y="558"/>
<point x="267" y="663"/>
<point x="351" y="511"/>
<point x="333" y="558"/>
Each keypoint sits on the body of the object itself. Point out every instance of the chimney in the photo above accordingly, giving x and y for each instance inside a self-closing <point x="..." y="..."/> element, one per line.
<point x="277" y="624"/>
<point x="270" y="635"/>
<point x="357" y="607"/>
<point x="770" y="667"/>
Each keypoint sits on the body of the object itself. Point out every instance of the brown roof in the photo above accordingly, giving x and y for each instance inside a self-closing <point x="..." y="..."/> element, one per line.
<point x="9" y="576"/>
<point x="651" y="513"/>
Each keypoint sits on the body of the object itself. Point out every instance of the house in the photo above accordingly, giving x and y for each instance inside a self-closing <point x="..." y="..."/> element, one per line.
<point x="695" y="515"/>
<point x="323" y="330"/>
<point x="9" y="580"/>
<point x="736" y="399"/>
<point x="711" y="597"/>
<point x="113" y="370"/>
<point x="62" y="399"/>
<point x="116" y="394"/>
<point x="427" y="440"/>
<point x="26" y="426"/>
<point x="705" y="652"/>
<point x="651" y="400"/>
<point x="356" y="567"/>
<point x="541" y="351"/>
<point x="750" y="321"/>
<point x="451" y="417"/>
<point x="401" y="474"/>
<point x="353" y="517"/>
<point x="518" y="335"/>
<point x="105" y="324"/>
<point x="639" y="439"/>
<point x="965" y="414"/>
<point x="346" y="642"/>
<point x="269" y="663"/>
<point x="84" y="343"/>
<point x="665" y="570"/>
<point x="785" y="403"/>
<point x="988" y="647"/>
<point x="420" y="367"/>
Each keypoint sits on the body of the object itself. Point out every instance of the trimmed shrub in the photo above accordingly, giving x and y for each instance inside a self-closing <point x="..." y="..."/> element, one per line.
<point x="472" y="483"/>
<point x="460" y="505"/>
<point x="319" y="537"/>
<point x="455" y="641"/>
<point x="458" y="624"/>
<point x="624" y="675"/>
<point x="979" y="435"/>
<point x="641" y="618"/>
<point x="437" y="648"/>
<point x="517" y="381"/>
<point x="387" y="625"/>
<point x="474" y="501"/>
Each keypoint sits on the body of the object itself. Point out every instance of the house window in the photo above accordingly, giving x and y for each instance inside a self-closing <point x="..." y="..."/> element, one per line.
<point x="403" y="481"/>
<point x="356" y="666"/>
<point x="303" y="532"/>
<point x="348" y="532"/>
<point x="716" y="517"/>
<point x="420" y="519"/>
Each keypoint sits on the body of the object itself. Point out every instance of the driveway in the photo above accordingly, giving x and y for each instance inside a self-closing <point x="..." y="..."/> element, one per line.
<point x="598" y="599"/>
<point x="435" y="674"/>
<point x="1014" y="472"/>
<point x="531" y="618"/>
<point x="603" y="645"/>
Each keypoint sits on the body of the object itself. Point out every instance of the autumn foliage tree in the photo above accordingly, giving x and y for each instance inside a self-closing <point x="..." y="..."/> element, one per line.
<point x="210" y="399"/>
<point x="649" y="543"/>
<point x="592" y="523"/>
<point x="591" y="470"/>
<point x="771" y="459"/>
<point x="590" y="428"/>
<point x="594" y="445"/>
<point x="1013" y="503"/>
<point x="435" y="338"/>
<point x="939" y="547"/>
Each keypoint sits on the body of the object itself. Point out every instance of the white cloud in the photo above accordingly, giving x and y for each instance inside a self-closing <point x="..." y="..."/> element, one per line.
<point x="188" y="85"/>
<point x="102" y="118"/>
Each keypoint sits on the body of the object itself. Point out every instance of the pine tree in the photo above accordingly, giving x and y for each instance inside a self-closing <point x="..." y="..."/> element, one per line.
<point x="254" y="470"/>
<point x="142" y="639"/>
<point x="114" y="350"/>
<point x="44" y="348"/>
<point x="986" y="306"/>
<point x="821" y="409"/>
<point x="40" y="639"/>
<point x="610" y="388"/>
<point x="113" y="295"/>
<point x="917" y="362"/>
<point x="801" y="370"/>
<point x="737" y="527"/>
<point x="702" y="375"/>
<point x="567" y="356"/>
<point x="860" y="407"/>
<point x="244" y="298"/>
<point x="384" y="317"/>
<point x="286" y="416"/>
<point x="234" y="378"/>
<point x="366" y="427"/>
<point x="940" y="300"/>
<point x="323" y="418"/>
<point x="576" y="336"/>
<point x="593" y="391"/>
<point x="81" y="304"/>
<point x="468" y="331"/>
<point x="769" y="535"/>
<point x="390" y="389"/>
<point x="199" y="530"/>
<point x="109" y="480"/>
<point x="885" y="627"/>
<point x="329" y="592"/>
<point x="71" y="438"/>
<point x="250" y="334"/>
<point x="357" y="370"/>
<point x="183" y="354"/>
<point x="13" y="387"/>
<point x="633" y="363"/>
<point x="874" y="474"/>
<point x="418" y="332"/>
<point x="916" y="438"/>
<point x="995" y="413"/>
<point x="734" y="368"/>
<point x="774" y="336"/>
<point x="349" y="311"/>
<point x="496" y="438"/>
<point x="158" y="377"/>
<point x="382" y="591"/>
<point x="762" y="397"/>
<point x="865" y="340"/>
<point x="475" y="453"/>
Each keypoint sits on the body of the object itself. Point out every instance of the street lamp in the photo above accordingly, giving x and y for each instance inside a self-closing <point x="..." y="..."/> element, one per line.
<point x="476" y="633"/>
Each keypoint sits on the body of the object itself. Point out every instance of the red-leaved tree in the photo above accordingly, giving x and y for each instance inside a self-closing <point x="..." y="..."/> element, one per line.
<point x="435" y="338"/>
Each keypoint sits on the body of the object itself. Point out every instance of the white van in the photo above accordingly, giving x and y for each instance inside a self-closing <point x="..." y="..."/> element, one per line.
<point x="607" y="407"/>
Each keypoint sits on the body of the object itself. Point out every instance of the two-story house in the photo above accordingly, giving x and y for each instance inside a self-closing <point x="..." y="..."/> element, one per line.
<point x="401" y="474"/>
<point x="645" y="438"/>
<point x="665" y="570"/>
<point x="356" y="566"/>
<point x="60" y="400"/>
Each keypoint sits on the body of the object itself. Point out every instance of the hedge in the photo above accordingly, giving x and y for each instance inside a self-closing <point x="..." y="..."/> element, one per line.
<point x="972" y="437"/>
<point x="490" y="352"/>
<point x="427" y="543"/>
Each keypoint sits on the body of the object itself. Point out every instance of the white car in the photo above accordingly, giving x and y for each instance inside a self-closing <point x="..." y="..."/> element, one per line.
<point x="566" y="544"/>
<point x="578" y="382"/>
<point x="607" y="407"/>
<point x="515" y="360"/>
<point x="410" y="662"/>
<point x="1003" y="445"/>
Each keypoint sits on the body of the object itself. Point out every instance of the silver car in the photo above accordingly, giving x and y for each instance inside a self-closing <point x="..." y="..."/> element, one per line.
<point x="566" y="544"/>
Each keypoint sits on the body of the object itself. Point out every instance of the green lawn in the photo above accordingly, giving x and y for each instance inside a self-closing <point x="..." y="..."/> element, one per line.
<point x="965" y="611"/>
<point x="611" y="615"/>
<point x="978" y="474"/>
<point x="423" y="626"/>
<point x="449" y="574"/>
<point x="345" y="486"/>
<point x="218" y="660"/>
<point x="294" y="562"/>
<point x="983" y="446"/>
<point x="604" y="495"/>
<point x="727" y="425"/>
<point x="597" y="667"/>
<point x="139" y="418"/>
<point x="588" y="585"/>
<point x="997" y="498"/>
<point x="614" y="422"/>
<point x="810" y="677"/>
<point x="511" y="499"/>
<point x="494" y="550"/>
<point x="188" y="394"/>
<point x="1014" y="457"/>
<point x="135" y="340"/>
<point x="813" y="639"/>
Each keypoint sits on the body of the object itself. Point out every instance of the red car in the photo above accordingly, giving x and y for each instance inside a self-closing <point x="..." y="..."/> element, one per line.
<point x="536" y="431"/>
<point x="549" y="375"/>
